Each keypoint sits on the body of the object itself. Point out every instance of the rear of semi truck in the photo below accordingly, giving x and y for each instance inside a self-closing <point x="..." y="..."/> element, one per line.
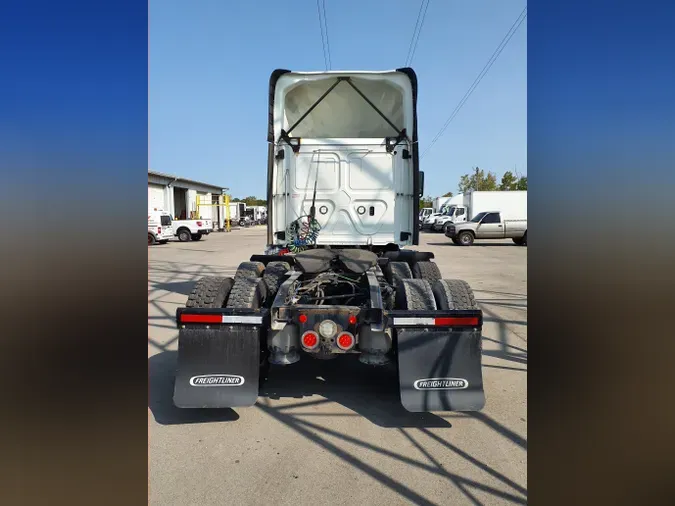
<point x="343" y="189"/>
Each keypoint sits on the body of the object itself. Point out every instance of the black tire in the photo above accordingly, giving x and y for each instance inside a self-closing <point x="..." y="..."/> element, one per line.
<point x="455" y="241"/>
<point x="196" y="237"/>
<point x="211" y="291"/>
<point x="163" y="241"/>
<point x="396" y="271"/>
<point x="415" y="294"/>
<point x="250" y="270"/>
<point x="247" y="293"/>
<point x="453" y="294"/>
<point x="518" y="241"/>
<point x="274" y="275"/>
<point x="184" y="235"/>
<point x="426" y="270"/>
<point x="151" y="239"/>
<point x="465" y="238"/>
<point x="525" y="239"/>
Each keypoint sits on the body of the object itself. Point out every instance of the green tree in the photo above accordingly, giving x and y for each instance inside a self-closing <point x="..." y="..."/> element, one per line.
<point x="522" y="183"/>
<point x="426" y="202"/>
<point x="478" y="181"/>
<point x="509" y="181"/>
<point x="449" y="194"/>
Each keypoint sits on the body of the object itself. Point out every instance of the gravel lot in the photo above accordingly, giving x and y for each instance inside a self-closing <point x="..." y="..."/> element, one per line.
<point x="335" y="432"/>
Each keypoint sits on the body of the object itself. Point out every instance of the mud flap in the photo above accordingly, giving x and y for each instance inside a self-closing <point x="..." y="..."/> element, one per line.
<point x="440" y="369"/>
<point x="218" y="367"/>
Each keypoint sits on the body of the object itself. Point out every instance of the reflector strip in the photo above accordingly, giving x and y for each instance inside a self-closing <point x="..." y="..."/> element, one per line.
<point x="217" y="318"/>
<point x="200" y="318"/>
<point x="254" y="320"/>
<point x="470" y="321"/>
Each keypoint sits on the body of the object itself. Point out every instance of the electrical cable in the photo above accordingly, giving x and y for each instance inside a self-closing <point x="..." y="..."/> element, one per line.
<point x="481" y="75"/>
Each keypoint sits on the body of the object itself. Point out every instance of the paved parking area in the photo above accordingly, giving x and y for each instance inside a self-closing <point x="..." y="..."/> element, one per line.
<point x="335" y="432"/>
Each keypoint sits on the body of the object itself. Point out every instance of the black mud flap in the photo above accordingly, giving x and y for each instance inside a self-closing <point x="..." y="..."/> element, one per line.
<point x="440" y="368"/>
<point x="218" y="362"/>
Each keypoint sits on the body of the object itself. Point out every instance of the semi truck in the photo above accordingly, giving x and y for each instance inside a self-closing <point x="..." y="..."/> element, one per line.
<point x="463" y="207"/>
<point x="338" y="277"/>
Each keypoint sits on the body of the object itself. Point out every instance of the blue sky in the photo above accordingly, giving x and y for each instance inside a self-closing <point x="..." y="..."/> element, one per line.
<point x="209" y="65"/>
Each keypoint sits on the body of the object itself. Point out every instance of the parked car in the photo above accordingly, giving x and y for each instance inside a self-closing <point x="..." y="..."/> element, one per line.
<point x="488" y="225"/>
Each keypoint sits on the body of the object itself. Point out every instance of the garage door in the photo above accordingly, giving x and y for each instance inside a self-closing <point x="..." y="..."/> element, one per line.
<point x="204" y="211"/>
<point x="156" y="196"/>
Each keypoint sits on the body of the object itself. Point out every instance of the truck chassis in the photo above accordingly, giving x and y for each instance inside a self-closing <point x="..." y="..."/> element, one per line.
<point x="323" y="303"/>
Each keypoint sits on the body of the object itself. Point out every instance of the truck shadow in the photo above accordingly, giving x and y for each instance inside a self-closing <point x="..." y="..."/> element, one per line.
<point x="161" y="374"/>
<point x="477" y="243"/>
<point x="369" y="392"/>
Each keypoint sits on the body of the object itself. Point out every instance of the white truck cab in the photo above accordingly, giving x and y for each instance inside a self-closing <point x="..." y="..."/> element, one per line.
<point x="343" y="168"/>
<point x="160" y="226"/>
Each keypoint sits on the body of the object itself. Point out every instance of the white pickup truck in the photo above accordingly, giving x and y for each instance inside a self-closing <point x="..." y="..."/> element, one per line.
<point x="187" y="230"/>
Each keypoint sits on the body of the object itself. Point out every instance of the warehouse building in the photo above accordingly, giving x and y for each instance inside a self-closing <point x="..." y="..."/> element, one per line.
<point x="185" y="198"/>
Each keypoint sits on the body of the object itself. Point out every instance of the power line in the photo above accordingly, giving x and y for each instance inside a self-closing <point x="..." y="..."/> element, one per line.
<point x="323" y="40"/>
<point x="514" y="27"/>
<point x="323" y="25"/>
<point x="416" y="32"/>
<point x="325" y="22"/>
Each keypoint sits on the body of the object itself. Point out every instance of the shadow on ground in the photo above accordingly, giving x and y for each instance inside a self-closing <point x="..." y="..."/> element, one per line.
<point x="161" y="373"/>
<point x="369" y="392"/>
<point x="478" y="243"/>
<point x="180" y="287"/>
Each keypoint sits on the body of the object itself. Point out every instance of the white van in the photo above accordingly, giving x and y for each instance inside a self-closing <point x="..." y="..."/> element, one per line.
<point x="160" y="229"/>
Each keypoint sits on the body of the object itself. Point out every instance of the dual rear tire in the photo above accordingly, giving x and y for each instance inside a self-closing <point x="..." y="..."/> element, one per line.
<point x="420" y="295"/>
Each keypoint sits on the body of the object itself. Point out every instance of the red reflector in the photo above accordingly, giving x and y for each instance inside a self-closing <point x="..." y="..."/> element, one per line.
<point x="345" y="341"/>
<point x="352" y="319"/>
<point x="310" y="340"/>
<point x="201" y="318"/>
<point x="199" y="223"/>
<point x="159" y="230"/>
<point x="302" y="318"/>
<point x="470" y="321"/>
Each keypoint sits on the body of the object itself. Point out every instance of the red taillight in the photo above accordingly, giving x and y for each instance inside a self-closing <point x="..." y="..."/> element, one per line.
<point x="199" y="223"/>
<point x="345" y="341"/>
<point x="302" y="318"/>
<point x="159" y="230"/>
<point x="456" y="322"/>
<point x="310" y="340"/>
<point x="352" y="319"/>
<point x="201" y="318"/>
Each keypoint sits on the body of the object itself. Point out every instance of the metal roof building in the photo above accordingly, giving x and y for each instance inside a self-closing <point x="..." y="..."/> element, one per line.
<point x="180" y="197"/>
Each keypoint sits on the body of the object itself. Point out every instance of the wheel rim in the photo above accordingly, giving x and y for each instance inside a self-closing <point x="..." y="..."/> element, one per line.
<point x="184" y="236"/>
<point x="466" y="239"/>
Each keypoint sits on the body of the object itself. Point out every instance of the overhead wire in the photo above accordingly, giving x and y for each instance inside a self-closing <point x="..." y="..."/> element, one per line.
<point x="323" y="26"/>
<point x="514" y="28"/>
<point x="424" y="5"/>
<point x="421" y="15"/>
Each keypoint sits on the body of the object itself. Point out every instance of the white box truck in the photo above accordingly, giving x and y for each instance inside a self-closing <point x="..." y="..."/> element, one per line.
<point x="463" y="207"/>
<point x="438" y="203"/>
<point x="450" y="212"/>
